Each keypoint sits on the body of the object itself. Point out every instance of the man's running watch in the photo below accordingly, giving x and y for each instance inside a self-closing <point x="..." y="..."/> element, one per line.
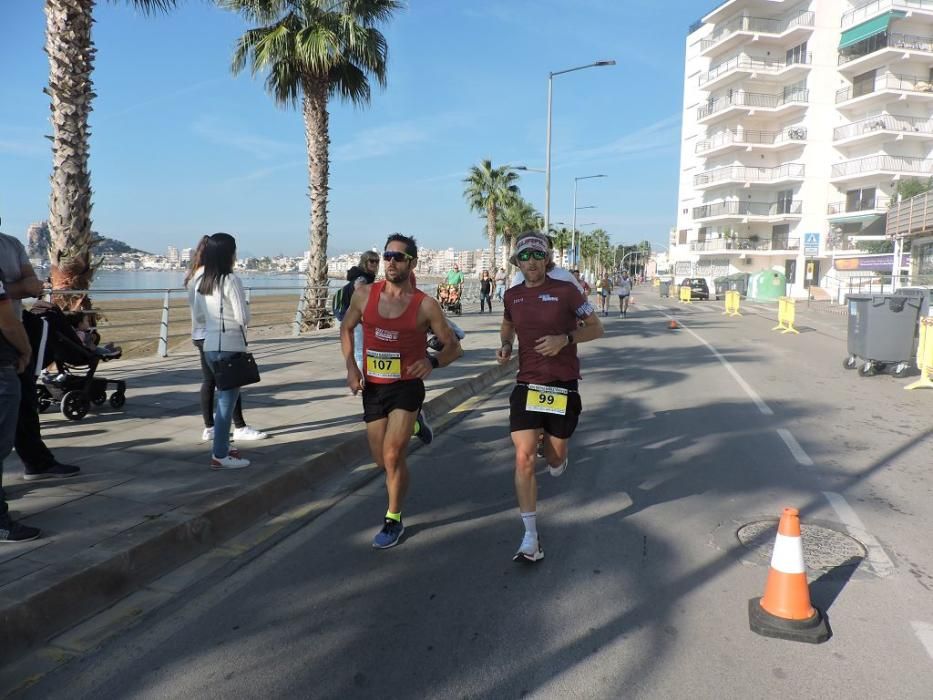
<point x="570" y="340"/>
<point x="435" y="363"/>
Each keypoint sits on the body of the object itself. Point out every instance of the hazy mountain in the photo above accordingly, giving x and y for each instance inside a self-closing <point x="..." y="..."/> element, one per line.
<point x="37" y="243"/>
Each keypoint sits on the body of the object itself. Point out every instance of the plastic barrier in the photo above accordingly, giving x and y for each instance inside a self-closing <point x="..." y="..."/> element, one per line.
<point x="674" y="291"/>
<point x="733" y="299"/>
<point x="686" y="295"/>
<point x="787" y="311"/>
<point x="924" y="356"/>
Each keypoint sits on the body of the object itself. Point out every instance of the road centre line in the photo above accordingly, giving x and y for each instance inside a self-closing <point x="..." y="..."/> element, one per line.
<point x="795" y="449"/>
<point x="924" y="632"/>
<point x="758" y="401"/>
<point x="877" y="557"/>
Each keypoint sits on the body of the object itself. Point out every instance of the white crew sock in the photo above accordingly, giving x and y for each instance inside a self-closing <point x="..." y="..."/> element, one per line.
<point x="531" y="524"/>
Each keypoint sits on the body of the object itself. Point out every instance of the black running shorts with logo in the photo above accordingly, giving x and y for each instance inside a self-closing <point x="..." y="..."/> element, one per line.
<point x="520" y="418"/>
<point x="381" y="399"/>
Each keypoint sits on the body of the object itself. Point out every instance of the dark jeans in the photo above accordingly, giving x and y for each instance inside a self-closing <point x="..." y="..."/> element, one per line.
<point x="485" y="299"/>
<point x="207" y="393"/>
<point x="29" y="446"/>
<point x="9" y="409"/>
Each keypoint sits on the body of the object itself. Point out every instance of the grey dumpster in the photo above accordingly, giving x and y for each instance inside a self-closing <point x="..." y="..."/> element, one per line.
<point x="664" y="289"/>
<point x="882" y="330"/>
<point x="924" y="293"/>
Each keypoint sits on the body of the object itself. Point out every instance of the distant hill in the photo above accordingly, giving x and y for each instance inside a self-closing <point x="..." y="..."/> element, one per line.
<point x="38" y="244"/>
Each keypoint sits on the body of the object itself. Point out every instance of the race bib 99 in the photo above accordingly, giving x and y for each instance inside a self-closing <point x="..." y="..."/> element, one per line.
<point x="546" y="399"/>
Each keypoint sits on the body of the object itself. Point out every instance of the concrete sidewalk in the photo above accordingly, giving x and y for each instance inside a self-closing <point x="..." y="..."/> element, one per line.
<point x="146" y="501"/>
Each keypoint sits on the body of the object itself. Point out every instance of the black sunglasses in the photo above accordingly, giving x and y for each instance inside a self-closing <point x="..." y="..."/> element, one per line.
<point x="527" y="255"/>
<point x="396" y="255"/>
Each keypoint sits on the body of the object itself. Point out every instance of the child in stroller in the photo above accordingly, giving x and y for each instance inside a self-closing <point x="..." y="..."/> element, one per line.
<point x="448" y="296"/>
<point x="67" y="341"/>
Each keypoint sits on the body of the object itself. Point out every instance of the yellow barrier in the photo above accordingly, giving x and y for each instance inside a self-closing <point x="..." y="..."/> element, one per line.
<point x="686" y="295"/>
<point x="787" y="310"/>
<point x="924" y="356"/>
<point x="673" y="291"/>
<point x="733" y="298"/>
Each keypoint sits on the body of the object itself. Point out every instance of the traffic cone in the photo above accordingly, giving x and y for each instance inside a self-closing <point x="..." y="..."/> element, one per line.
<point x="673" y="325"/>
<point x="784" y="611"/>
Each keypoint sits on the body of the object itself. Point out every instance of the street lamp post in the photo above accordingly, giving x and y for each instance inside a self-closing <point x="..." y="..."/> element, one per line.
<point x="573" y="234"/>
<point x="547" y="160"/>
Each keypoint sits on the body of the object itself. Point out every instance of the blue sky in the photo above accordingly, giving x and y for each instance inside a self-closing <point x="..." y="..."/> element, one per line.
<point x="180" y="147"/>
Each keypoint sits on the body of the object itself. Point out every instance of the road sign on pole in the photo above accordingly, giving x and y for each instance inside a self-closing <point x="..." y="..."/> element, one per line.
<point x="811" y="244"/>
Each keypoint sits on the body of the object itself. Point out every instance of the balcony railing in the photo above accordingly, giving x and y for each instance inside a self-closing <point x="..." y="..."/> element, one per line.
<point x="748" y="63"/>
<point x="895" y="41"/>
<point x="888" y="81"/>
<point x="835" y="208"/>
<point x="886" y="122"/>
<point x="896" y="164"/>
<point x="775" y="243"/>
<point x="741" y="173"/>
<point x="743" y="208"/>
<point x="758" y="25"/>
<point x="754" y="100"/>
<point x="869" y="9"/>
<point x="792" y="134"/>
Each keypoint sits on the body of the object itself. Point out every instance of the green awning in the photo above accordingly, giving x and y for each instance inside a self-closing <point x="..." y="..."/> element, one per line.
<point x="870" y="28"/>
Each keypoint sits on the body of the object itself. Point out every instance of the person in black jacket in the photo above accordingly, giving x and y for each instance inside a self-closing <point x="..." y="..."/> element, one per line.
<point x="485" y="291"/>
<point x="364" y="273"/>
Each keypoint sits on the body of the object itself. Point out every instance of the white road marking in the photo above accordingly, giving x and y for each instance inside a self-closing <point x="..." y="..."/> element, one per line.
<point x="877" y="557"/>
<point x="762" y="406"/>
<point x="924" y="632"/>
<point x="795" y="449"/>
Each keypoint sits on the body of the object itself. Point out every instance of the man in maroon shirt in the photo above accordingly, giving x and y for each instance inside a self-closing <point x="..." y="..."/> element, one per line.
<point x="545" y="314"/>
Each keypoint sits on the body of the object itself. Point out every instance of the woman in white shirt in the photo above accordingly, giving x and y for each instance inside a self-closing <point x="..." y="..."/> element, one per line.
<point x="218" y="305"/>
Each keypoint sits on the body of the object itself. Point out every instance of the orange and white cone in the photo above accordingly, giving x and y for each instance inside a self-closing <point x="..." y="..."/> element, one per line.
<point x="673" y="325"/>
<point x="784" y="611"/>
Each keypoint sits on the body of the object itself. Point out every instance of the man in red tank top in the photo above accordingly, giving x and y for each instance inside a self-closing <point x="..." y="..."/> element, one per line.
<point x="395" y="317"/>
<point x="550" y="317"/>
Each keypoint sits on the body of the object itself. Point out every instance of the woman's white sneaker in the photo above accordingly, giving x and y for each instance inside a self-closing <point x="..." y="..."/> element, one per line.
<point x="248" y="433"/>
<point x="207" y="435"/>
<point x="229" y="462"/>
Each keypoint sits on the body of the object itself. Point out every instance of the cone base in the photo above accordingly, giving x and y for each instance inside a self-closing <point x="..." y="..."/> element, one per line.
<point x="813" y="631"/>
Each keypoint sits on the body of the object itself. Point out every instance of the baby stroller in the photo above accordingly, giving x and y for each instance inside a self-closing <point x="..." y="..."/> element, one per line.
<point x="448" y="296"/>
<point x="75" y="387"/>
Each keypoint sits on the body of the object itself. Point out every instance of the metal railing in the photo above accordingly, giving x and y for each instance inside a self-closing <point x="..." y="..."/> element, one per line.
<point x="741" y="173"/>
<point x="896" y="164"/>
<point x="780" y="243"/>
<point x="753" y="100"/>
<point x="760" y="65"/>
<point x="886" y="122"/>
<point x="793" y="134"/>
<point x="743" y="208"/>
<point x="876" y="7"/>
<point x="887" y="81"/>
<point x="862" y="205"/>
<point x="908" y="42"/>
<point x="756" y="25"/>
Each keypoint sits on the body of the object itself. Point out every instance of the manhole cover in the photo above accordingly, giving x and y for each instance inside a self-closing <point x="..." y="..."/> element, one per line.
<point x="823" y="547"/>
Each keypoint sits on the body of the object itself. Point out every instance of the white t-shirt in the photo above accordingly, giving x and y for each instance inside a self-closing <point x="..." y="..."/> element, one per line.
<point x="558" y="273"/>
<point x="624" y="287"/>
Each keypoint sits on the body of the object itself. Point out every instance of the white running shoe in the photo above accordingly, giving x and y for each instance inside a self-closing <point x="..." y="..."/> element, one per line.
<point x="530" y="550"/>
<point x="207" y="435"/>
<point x="249" y="433"/>
<point x="559" y="469"/>
<point x="229" y="462"/>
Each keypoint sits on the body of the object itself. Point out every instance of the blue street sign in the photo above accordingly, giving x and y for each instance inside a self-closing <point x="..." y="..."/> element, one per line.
<point x="811" y="244"/>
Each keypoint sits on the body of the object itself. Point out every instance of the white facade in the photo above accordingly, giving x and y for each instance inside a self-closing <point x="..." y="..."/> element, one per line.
<point x="799" y="118"/>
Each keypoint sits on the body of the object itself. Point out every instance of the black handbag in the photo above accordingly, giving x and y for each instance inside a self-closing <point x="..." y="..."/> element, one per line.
<point x="238" y="369"/>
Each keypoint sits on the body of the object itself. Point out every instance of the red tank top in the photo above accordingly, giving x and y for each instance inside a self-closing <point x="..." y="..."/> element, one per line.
<point x="391" y="344"/>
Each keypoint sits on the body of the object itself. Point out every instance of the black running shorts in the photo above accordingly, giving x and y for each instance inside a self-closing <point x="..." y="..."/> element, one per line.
<point x="379" y="400"/>
<point x="520" y="418"/>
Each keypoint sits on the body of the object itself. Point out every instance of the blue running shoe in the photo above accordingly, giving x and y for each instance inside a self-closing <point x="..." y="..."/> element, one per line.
<point x="389" y="535"/>
<point x="424" y="433"/>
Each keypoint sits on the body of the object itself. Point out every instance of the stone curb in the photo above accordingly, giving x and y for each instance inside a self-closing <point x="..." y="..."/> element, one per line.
<point x="86" y="584"/>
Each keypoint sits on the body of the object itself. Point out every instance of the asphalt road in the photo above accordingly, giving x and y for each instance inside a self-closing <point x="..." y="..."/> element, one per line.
<point x="686" y="435"/>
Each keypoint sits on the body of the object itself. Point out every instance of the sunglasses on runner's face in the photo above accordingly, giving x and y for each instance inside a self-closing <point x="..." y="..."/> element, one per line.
<point x="527" y="255"/>
<point x="396" y="255"/>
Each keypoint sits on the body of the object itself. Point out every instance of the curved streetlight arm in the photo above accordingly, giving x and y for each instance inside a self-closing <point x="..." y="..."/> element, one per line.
<point x="588" y="65"/>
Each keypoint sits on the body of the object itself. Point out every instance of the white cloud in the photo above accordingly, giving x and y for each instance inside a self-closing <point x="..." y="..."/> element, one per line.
<point x="651" y="139"/>
<point x="21" y="148"/>
<point x="259" y="147"/>
<point x="380" y="141"/>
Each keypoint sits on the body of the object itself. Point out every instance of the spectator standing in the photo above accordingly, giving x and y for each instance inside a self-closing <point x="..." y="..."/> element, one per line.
<point x="20" y="282"/>
<point x="500" y="283"/>
<point x="218" y="305"/>
<point x="455" y="277"/>
<point x="364" y="273"/>
<point x="241" y="430"/>
<point x="485" y="291"/>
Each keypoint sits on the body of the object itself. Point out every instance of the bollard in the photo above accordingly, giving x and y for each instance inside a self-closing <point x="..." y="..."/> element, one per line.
<point x="787" y="311"/>
<point x="733" y="299"/>
<point x="924" y="356"/>
<point x="163" y="329"/>
<point x="299" y="315"/>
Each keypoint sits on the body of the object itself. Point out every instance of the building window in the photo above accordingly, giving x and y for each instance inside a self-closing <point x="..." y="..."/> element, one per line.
<point x="682" y="237"/>
<point x="798" y="54"/>
<point x="860" y="199"/>
<point x="863" y="84"/>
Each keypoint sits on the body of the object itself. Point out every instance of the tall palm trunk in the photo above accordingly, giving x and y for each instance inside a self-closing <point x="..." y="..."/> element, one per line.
<point x="71" y="59"/>
<point x="316" y="118"/>
<point x="491" y="232"/>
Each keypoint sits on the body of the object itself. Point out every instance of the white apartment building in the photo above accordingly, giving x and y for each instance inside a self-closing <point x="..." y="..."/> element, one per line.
<point x="799" y="120"/>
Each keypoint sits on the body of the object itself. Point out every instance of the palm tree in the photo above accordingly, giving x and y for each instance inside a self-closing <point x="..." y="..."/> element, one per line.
<point x="71" y="61"/>
<point x="561" y="238"/>
<point x="517" y="217"/>
<point x="310" y="51"/>
<point x="489" y="190"/>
